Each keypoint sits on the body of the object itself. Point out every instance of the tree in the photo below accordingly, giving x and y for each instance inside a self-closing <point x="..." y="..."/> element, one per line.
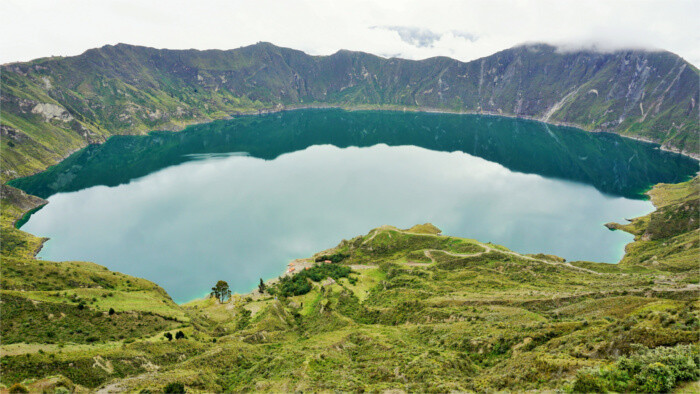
<point x="261" y="286"/>
<point x="221" y="291"/>
<point x="111" y="311"/>
<point x="169" y="336"/>
<point x="180" y="335"/>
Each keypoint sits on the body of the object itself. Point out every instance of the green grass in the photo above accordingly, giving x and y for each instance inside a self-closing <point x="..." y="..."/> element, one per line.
<point x="489" y="322"/>
<point x="667" y="239"/>
<point x="104" y="300"/>
<point x="43" y="322"/>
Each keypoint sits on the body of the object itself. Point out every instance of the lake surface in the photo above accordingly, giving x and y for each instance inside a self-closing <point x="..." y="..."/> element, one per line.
<point x="238" y="199"/>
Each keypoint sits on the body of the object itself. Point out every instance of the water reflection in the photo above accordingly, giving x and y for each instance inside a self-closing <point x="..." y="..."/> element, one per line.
<point x="610" y="163"/>
<point x="241" y="218"/>
<point x="182" y="210"/>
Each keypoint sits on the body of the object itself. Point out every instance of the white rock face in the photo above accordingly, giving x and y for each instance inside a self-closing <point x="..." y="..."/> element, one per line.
<point x="154" y="115"/>
<point x="52" y="111"/>
<point x="47" y="83"/>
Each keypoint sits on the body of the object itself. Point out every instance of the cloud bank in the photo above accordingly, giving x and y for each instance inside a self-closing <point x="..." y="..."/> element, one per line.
<point x="462" y="29"/>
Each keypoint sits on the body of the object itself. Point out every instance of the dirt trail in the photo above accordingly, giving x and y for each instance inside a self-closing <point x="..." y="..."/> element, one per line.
<point x="120" y="385"/>
<point x="363" y="266"/>
<point x="487" y="249"/>
<point x="378" y="230"/>
<point x="414" y="264"/>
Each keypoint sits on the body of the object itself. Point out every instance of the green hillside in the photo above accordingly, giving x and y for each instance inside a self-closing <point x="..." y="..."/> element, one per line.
<point x="54" y="106"/>
<point x="395" y="309"/>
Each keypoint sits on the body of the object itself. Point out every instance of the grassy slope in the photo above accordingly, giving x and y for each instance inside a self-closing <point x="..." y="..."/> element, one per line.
<point x="127" y="89"/>
<point x="60" y="312"/>
<point x="669" y="237"/>
<point x="421" y="312"/>
<point x="416" y="315"/>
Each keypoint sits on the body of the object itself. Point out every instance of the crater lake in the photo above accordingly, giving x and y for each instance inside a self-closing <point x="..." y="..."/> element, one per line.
<point x="237" y="199"/>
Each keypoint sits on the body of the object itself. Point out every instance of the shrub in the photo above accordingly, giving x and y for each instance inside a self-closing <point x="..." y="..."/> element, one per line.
<point x="111" y="311"/>
<point x="648" y="370"/>
<point x="243" y="319"/>
<point x="174" y="388"/>
<point x="292" y="285"/>
<point x="169" y="336"/>
<point x="655" y="378"/>
<point x="334" y="258"/>
<point x="298" y="284"/>
<point x="180" y="335"/>
<point x="322" y="271"/>
<point x="601" y="380"/>
<point x="18" y="388"/>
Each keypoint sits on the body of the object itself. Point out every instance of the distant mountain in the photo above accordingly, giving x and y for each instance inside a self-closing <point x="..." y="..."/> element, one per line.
<point x="54" y="106"/>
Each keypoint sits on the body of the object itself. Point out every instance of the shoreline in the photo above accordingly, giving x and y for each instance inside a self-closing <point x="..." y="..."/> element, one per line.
<point x="431" y="110"/>
<point x="300" y="263"/>
<point x="386" y="108"/>
<point x="368" y="107"/>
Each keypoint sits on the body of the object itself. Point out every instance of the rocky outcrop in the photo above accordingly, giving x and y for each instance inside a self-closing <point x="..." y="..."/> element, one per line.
<point x="52" y="111"/>
<point x="22" y="201"/>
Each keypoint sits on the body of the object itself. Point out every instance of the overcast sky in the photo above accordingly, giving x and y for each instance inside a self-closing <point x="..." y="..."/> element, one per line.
<point x="464" y="29"/>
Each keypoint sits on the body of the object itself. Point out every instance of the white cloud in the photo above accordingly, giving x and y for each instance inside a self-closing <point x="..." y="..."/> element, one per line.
<point x="413" y="29"/>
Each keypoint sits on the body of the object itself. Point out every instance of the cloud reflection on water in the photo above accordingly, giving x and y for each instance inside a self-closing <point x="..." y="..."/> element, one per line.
<point x="239" y="218"/>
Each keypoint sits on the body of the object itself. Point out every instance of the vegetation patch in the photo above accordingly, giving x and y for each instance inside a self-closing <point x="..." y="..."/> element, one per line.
<point x="648" y="370"/>
<point x="393" y="309"/>
<point x="26" y="320"/>
<point x="299" y="284"/>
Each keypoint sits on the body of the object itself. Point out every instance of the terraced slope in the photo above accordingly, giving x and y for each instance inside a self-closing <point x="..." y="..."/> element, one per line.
<point x="54" y="106"/>
<point x="394" y="309"/>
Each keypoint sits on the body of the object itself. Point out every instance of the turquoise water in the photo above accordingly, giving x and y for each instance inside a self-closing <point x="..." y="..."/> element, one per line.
<point x="236" y="200"/>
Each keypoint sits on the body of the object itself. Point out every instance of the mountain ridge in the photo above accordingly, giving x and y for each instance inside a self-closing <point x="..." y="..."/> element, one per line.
<point x="54" y="106"/>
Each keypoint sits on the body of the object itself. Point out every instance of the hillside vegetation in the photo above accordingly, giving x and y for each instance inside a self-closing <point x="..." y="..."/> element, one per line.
<point x="394" y="309"/>
<point x="668" y="237"/>
<point x="54" y="106"/>
<point x="411" y="310"/>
